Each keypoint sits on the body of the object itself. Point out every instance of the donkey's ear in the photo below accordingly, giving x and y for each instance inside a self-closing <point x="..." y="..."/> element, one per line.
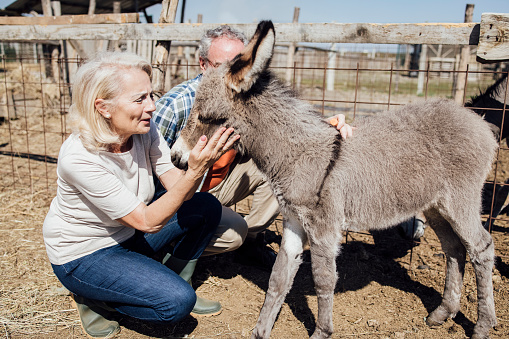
<point x="253" y="60"/>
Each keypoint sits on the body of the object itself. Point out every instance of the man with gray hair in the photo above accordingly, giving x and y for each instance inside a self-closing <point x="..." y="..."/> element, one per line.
<point x="232" y="178"/>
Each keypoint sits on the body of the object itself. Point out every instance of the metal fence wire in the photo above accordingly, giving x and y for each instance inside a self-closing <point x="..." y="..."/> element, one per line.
<point x="35" y="95"/>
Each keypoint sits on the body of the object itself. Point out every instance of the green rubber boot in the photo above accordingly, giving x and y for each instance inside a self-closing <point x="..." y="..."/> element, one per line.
<point x="185" y="269"/>
<point x="92" y="320"/>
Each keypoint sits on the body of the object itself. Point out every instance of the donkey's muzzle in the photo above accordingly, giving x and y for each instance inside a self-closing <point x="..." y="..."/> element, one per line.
<point x="179" y="160"/>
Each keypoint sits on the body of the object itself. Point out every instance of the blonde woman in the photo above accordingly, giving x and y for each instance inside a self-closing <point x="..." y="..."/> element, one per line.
<point x="103" y="230"/>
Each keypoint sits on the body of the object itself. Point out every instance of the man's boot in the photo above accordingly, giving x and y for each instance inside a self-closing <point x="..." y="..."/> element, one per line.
<point x="92" y="316"/>
<point x="185" y="269"/>
<point x="255" y="252"/>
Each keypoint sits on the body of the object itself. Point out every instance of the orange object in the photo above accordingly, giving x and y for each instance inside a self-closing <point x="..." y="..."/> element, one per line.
<point x="334" y="122"/>
<point x="218" y="171"/>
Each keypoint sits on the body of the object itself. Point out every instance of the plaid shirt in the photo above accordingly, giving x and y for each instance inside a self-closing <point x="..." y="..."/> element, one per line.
<point x="173" y="109"/>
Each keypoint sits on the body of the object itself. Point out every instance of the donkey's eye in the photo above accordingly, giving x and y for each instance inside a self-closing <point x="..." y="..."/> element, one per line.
<point x="210" y="120"/>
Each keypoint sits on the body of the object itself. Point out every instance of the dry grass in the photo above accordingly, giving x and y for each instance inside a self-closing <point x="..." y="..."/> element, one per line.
<point x="30" y="301"/>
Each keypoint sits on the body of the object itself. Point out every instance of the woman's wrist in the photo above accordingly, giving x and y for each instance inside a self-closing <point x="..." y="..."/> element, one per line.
<point x="193" y="176"/>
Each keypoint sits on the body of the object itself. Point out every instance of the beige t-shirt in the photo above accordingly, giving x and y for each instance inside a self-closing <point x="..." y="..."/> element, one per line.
<point x="94" y="189"/>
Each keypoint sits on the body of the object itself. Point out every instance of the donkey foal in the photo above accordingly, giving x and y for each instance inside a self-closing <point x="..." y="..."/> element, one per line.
<point x="432" y="156"/>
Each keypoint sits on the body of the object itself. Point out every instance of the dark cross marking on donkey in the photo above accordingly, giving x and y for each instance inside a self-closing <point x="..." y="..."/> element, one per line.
<point x="431" y="156"/>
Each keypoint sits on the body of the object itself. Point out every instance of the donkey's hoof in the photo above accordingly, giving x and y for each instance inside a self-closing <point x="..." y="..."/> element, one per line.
<point x="439" y="316"/>
<point x="433" y="323"/>
<point x="477" y="336"/>
<point x="482" y="330"/>
<point x="318" y="334"/>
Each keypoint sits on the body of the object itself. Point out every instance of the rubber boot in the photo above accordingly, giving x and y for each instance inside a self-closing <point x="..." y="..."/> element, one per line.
<point x="185" y="269"/>
<point x="92" y="320"/>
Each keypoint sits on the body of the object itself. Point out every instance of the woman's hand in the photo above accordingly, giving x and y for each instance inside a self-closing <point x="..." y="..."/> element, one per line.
<point x="152" y="218"/>
<point x="205" y="154"/>
<point x="344" y="129"/>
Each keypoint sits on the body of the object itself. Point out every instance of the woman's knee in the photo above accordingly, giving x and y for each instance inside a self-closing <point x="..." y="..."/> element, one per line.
<point x="175" y="306"/>
<point x="183" y="305"/>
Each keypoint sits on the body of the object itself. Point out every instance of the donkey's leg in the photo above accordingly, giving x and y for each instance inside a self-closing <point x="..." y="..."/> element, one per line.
<point x="479" y="245"/>
<point x="323" y="259"/>
<point x="455" y="255"/>
<point x="287" y="263"/>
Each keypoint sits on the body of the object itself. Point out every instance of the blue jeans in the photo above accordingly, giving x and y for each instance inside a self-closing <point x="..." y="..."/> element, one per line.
<point x="127" y="278"/>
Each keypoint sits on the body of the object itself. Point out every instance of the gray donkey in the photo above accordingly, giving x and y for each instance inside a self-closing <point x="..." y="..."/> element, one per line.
<point x="432" y="156"/>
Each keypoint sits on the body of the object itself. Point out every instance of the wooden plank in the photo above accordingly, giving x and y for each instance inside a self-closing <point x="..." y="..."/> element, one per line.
<point x="494" y="37"/>
<point x="425" y="33"/>
<point x="109" y="18"/>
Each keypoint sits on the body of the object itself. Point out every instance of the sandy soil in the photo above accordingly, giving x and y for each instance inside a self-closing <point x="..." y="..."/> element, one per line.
<point x="386" y="287"/>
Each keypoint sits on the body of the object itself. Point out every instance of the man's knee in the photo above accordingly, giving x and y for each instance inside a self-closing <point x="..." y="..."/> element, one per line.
<point x="230" y="233"/>
<point x="235" y="228"/>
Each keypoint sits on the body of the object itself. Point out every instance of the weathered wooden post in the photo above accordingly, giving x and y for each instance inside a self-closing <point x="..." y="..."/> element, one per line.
<point x="51" y="50"/>
<point x="331" y="65"/>
<point x="458" y="91"/>
<point x="46" y="7"/>
<point x="493" y="38"/>
<point x="291" y="50"/>
<point x="113" y="45"/>
<point x="168" y="14"/>
<point x="422" y="67"/>
<point x="91" y="7"/>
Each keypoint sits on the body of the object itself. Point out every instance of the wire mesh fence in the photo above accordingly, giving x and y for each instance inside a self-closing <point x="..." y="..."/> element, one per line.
<point x="36" y="90"/>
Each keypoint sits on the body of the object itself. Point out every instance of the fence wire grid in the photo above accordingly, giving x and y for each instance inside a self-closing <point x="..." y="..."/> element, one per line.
<point x="35" y="95"/>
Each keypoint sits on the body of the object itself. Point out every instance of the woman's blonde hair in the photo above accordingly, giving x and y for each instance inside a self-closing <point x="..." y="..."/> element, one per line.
<point x="100" y="78"/>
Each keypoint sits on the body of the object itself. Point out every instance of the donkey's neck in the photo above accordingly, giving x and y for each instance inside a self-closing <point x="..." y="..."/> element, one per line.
<point x="292" y="147"/>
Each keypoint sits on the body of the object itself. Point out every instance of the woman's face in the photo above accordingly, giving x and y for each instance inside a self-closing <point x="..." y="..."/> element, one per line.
<point x="134" y="106"/>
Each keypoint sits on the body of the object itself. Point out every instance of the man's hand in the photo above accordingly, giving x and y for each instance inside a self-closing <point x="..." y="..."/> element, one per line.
<point x="344" y="129"/>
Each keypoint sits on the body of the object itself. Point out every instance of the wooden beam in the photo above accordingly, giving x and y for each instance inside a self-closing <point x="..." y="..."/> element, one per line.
<point x="109" y="18"/>
<point x="493" y="37"/>
<point x="422" y="33"/>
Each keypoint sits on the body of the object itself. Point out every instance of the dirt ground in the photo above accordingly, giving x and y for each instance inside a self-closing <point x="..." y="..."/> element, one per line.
<point x="386" y="287"/>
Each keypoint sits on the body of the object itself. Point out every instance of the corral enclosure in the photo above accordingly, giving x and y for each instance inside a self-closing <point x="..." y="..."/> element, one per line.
<point x="35" y="95"/>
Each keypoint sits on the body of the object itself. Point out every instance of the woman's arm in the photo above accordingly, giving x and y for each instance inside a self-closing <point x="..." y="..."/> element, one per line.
<point x="180" y="185"/>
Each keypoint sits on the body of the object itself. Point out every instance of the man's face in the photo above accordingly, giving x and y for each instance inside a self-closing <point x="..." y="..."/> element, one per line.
<point x="221" y="49"/>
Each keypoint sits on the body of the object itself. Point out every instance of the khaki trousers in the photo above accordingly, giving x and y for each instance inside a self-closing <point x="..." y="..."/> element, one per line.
<point x="243" y="179"/>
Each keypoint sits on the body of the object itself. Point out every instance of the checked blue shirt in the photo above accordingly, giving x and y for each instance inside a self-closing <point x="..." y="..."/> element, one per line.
<point x="173" y="109"/>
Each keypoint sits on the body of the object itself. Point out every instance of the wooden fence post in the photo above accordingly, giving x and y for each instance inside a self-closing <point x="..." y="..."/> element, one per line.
<point x="91" y="7"/>
<point x="48" y="66"/>
<point x="460" y="77"/>
<point x="422" y="67"/>
<point x="168" y="13"/>
<point x="46" y="7"/>
<point x="114" y="45"/>
<point x="291" y="50"/>
<point x="331" y="64"/>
